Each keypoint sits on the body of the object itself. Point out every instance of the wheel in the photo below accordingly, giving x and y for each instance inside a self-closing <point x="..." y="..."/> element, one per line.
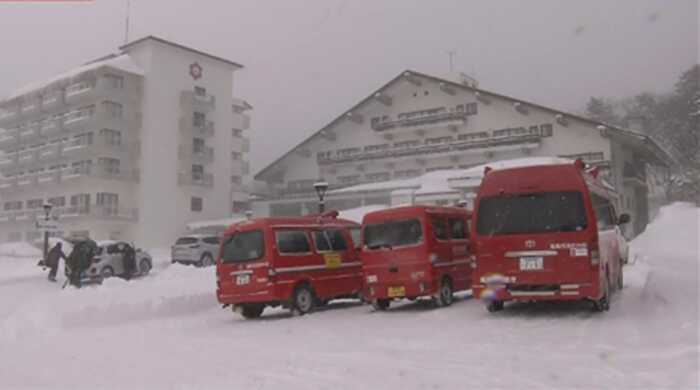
<point x="603" y="304"/>
<point x="381" y="304"/>
<point x="145" y="266"/>
<point x="494" y="306"/>
<point x="303" y="300"/>
<point x="252" y="311"/>
<point x="107" y="272"/>
<point x="445" y="295"/>
<point x="206" y="260"/>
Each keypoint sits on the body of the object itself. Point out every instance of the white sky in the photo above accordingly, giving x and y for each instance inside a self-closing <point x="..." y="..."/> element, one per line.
<point x="308" y="61"/>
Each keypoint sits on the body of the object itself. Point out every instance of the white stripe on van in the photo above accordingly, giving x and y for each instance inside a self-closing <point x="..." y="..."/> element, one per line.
<point x="315" y="267"/>
<point x="530" y="253"/>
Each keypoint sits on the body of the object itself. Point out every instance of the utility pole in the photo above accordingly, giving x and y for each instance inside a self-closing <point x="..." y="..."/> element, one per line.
<point x="126" y="27"/>
<point x="451" y="54"/>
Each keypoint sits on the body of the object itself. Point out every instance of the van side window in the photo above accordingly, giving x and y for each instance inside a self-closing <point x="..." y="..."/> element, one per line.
<point x="330" y="240"/>
<point x="356" y="235"/>
<point x="603" y="213"/>
<point x="458" y="229"/>
<point x="292" y="242"/>
<point x="439" y="227"/>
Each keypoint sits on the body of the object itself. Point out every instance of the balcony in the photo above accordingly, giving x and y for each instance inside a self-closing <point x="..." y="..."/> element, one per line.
<point x="79" y="118"/>
<point x="50" y="152"/>
<point x="245" y="145"/>
<point x="78" y="92"/>
<point x="31" y="108"/>
<point x="202" y="155"/>
<point x="53" y="100"/>
<point x="241" y="121"/>
<point x="51" y="127"/>
<point x="110" y="212"/>
<point x="438" y="117"/>
<point x="493" y="140"/>
<point x="9" y="138"/>
<point x="8" y="159"/>
<point x="8" y="116"/>
<point x="27" y="157"/>
<point x="198" y="180"/>
<point x="205" y="130"/>
<point x="29" y="133"/>
<point x="191" y="101"/>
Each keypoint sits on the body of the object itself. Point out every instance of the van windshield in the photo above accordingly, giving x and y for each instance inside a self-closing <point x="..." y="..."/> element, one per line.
<point x="393" y="233"/>
<point x="241" y="247"/>
<point x="531" y="213"/>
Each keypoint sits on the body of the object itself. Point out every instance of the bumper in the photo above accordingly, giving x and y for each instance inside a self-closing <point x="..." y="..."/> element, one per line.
<point x="562" y="292"/>
<point x="398" y="290"/>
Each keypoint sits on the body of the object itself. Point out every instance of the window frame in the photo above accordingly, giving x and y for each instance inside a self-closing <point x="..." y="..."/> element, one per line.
<point x="438" y="217"/>
<point x="193" y="199"/>
<point x="292" y="254"/>
<point x="465" y="228"/>
<point x="325" y="231"/>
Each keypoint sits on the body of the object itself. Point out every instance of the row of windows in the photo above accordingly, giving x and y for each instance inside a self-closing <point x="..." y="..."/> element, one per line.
<point x="83" y="199"/>
<point x="295" y="242"/>
<point x="112" y="109"/>
<point x="111" y="137"/>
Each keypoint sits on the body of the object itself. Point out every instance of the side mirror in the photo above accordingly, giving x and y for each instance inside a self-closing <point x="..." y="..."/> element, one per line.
<point x="623" y="219"/>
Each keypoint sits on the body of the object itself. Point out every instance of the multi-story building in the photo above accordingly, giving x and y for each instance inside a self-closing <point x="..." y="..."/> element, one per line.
<point x="416" y="124"/>
<point x="130" y="146"/>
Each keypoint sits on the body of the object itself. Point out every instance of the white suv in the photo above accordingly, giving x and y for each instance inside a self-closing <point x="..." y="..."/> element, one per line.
<point x="195" y="249"/>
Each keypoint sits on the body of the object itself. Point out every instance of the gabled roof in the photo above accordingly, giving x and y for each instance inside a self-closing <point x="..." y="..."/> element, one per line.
<point x="655" y="150"/>
<point x="170" y="43"/>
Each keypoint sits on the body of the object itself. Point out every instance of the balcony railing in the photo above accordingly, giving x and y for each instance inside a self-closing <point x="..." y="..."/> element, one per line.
<point x="95" y="211"/>
<point x="205" y="130"/>
<point x="8" y="116"/>
<point x="203" y="155"/>
<point x="189" y="179"/>
<point x="197" y="102"/>
<point x="245" y="145"/>
<point x="241" y="121"/>
<point x="65" y="175"/>
<point x="9" y="138"/>
<point x="53" y="99"/>
<point x="455" y="146"/>
<point x="419" y="121"/>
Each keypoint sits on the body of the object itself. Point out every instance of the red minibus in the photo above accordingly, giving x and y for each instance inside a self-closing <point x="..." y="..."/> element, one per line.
<point x="547" y="232"/>
<point x="293" y="262"/>
<point x="415" y="251"/>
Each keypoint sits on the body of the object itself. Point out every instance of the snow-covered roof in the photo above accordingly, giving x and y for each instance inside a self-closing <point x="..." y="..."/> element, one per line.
<point x="358" y="213"/>
<point x="123" y="62"/>
<point x="216" y="223"/>
<point x="438" y="182"/>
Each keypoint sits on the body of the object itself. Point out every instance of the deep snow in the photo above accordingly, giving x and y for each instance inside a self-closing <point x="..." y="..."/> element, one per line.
<point x="167" y="331"/>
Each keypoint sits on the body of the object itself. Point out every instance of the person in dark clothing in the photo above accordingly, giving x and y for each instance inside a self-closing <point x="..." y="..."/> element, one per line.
<point x="129" y="257"/>
<point x="53" y="258"/>
<point x="80" y="259"/>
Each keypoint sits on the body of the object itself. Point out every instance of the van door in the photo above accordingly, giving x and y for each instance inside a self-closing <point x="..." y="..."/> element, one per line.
<point x="459" y="243"/>
<point x="243" y="271"/>
<point x="440" y="249"/>
<point x="343" y="270"/>
<point x="607" y="236"/>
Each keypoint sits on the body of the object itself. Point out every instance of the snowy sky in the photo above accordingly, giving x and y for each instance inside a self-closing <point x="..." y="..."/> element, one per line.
<point x="308" y="61"/>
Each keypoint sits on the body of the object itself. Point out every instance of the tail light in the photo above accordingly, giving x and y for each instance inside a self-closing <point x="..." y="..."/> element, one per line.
<point x="595" y="255"/>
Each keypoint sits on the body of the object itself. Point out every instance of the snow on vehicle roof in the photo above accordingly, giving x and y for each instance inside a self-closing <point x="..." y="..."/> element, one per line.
<point x="216" y="223"/>
<point x="106" y="242"/>
<point x="356" y="214"/>
<point x="122" y="62"/>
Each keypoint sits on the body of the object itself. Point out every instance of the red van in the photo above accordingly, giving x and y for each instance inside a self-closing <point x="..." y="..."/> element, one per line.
<point x="547" y="232"/>
<point x="293" y="262"/>
<point x="415" y="251"/>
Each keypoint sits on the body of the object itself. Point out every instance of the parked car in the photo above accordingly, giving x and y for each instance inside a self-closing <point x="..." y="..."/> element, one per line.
<point x="415" y="251"/>
<point x="547" y="232"/>
<point x="297" y="263"/>
<point x="109" y="261"/>
<point x="197" y="249"/>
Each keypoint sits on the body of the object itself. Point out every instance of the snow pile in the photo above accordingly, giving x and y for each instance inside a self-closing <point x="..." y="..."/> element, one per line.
<point x="19" y="249"/>
<point x="358" y="213"/>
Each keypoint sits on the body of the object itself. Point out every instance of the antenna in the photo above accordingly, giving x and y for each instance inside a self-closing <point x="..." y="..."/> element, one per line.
<point x="126" y="27"/>
<point x="451" y="54"/>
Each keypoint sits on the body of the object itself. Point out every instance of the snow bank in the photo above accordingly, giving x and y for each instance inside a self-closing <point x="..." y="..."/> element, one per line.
<point x="358" y="213"/>
<point x="19" y="249"/>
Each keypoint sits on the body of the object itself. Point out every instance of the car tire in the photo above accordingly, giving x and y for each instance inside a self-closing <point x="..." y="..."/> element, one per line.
<point x="603" y="304"/>
<point x="381" y="304"/>
<point x="494" y="306"/>
<point x="106" y="272"/>
<point x="206" y="260"/>
<point x="145" y="266"/>
<point x="445" y="294"/>
<point x="252" y="311"/>
<point x="303" y="300"/>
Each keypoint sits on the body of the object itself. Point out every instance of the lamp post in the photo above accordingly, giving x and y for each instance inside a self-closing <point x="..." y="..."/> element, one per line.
<point x="47" y="217"/>
<point x="321" y="187"/>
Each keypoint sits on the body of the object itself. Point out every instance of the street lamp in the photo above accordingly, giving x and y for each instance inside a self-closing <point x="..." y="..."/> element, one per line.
<point x="47" y="216"/>
<point x="321" y="187"/>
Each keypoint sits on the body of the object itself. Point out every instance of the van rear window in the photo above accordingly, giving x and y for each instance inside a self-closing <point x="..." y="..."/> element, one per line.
<point x="393" y="233"/>
<point x="531" y="213"/>
<point x="186" y="241"/>
<point x="244" y="246"/>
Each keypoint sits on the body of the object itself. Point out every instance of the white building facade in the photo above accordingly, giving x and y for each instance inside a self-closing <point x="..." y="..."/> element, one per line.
<point x="417" y="124"/>
<point x="132" y="146"/>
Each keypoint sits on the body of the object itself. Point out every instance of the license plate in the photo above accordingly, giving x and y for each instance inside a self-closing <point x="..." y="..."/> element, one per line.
<point x="395" y="292"/>
<point x="332" y="260"/>
<point x="531" y="263"/>
<point x="242" y="279"/>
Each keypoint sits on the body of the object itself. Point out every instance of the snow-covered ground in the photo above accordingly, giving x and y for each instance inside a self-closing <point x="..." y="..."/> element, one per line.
<point x="167" y="331"/>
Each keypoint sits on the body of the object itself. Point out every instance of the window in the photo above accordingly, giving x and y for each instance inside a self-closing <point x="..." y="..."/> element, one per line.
<point x="603" y="212"/>
<point x="236" y="155"/>
<point x="200" y="91"/>
<point x="347" y="152"/>
<point x="242" y="247"/>
<point x="107" y="199"/>
<point x="211" y="240"/>
<point x="58" y="201"/>
<point x="471" y="108"/>
<point x="356" y="233"/>
<point x="292" y="242"/>
<point x="80" y="200"/>
<point x="546" y="130"/>
<point x="378" y="176"/>
<point x="439" y="227"/>
<point x="531" y="213"/>
<point x="197" y="145"/>
<point x="186" y="241"/>
<point x="197" y="172"/>
<point x="458" y="228"/>
<point x="376" y="148"/>
<point x="392" y="234"/>
<point x="235" y="179"/>
<point x="349" y="179"/>
<point x="198" y="119"/>
<point x="237" y="133"/>
<point x="35" y="204"/>
<point x="196" y="204"/>
<point x="114" y="81"/>
<point x="14" y="205"/>
<point x="111" y="137"/>
<point x="438" y="140"/>
<point x="109" y="165"/>
<point x="330" y="240"/>
<point x="407" y="144"/>
<point x="115" y="110"/>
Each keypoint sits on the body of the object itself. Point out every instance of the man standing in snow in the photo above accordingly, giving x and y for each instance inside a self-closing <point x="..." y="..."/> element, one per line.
<point x="53" y="258"/>
<point x="80" y="259"/>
